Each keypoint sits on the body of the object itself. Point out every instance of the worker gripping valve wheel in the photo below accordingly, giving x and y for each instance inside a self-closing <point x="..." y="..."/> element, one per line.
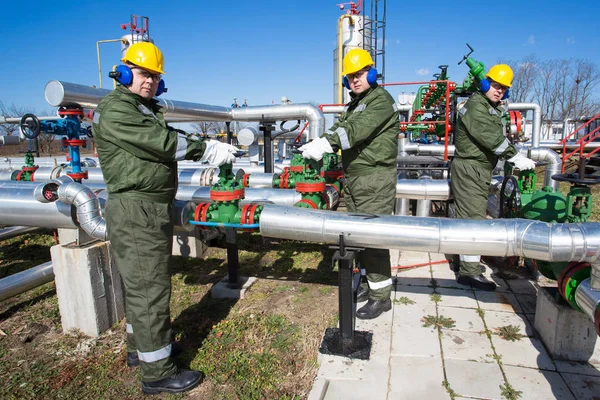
<point x="367" y="133"/>
<point x="138" y="152"/>
<point x="479" y="142"/>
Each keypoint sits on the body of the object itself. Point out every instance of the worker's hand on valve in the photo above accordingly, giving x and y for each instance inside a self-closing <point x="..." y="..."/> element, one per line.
<point x="219" y="153"/>
<point x="316" y="148"/>
<point x="521" y="162"/>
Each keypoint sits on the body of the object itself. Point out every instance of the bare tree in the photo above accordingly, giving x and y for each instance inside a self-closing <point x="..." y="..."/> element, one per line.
<point x="522" y="90"/>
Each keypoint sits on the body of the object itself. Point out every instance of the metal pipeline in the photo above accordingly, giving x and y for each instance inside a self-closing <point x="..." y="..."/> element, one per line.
<point x="509" y="237"/>
<point x="20" y="207"/>
<point x="423" y="208"/>
<point x="26" y="280"/>
<point x="588" y="299"/>
<point x="85" y="201"/>
<point x="204" y="176"/>
<point x="14" y="231"/>
<point x="287" y="197"/>
<point x="423" y="189"/>
<point x="553" y="166"/>
<point x="261" y="180"/>
<point x="59" y="93"/>
<point x="537" y="120"/>
<point x="315" y="117"/>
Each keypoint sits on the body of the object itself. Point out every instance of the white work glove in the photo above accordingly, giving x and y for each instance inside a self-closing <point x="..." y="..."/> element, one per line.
<point x="219" y="153"/>
<point x="521" y="162"/>
<point x="316" y="148"/>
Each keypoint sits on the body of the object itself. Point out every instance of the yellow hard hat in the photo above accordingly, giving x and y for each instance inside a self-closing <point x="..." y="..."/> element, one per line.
<point x="145" y="55"/>
<point x="355" y="60"/>
<point x="502" y="74"/>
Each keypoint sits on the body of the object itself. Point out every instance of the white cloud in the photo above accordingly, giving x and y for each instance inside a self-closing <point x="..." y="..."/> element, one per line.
<point x="422" y="71"/>
<point x="571" y="40"/>
<point x="531" y="39"/>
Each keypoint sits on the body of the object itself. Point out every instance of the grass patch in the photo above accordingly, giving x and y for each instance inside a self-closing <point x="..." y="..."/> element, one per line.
<point x="404" y="301"/>
<point x="450" y="391"/>
<point x="510" y="332"/>
<point x="435" y="297"/>
<point x="251" y="355"/>
<point x="438" y="321"/>
<point x="510" y="393"/>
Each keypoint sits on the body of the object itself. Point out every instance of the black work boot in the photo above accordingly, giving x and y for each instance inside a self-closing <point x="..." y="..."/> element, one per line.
<point x="134" y="361"/>
<point x="362" y="293"/>
<point x="181" y="381"/>
<point x="374" y="308"/>
<point x="476" y="281"/>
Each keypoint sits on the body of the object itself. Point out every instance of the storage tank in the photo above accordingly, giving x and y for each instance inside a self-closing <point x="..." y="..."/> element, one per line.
<point x="352" y="33"/>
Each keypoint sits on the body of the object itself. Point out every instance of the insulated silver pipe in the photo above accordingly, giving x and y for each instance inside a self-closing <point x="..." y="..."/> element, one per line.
<point x="423" y="189"/>
<point x="405" y="147"/>
<point x="537" y="120"/>
<point x="587" y="298"/>
<point x="85" y="201"/>
<point x="20" y="207"/>
<point x="59" y="93"/>
<point x="287" y="197"/>
<point x="509" y="237"/>
<point x="14" y="231"/>
<point x="423" y="208"/>
<point x="26" y="280"/>
<point x="402" y="207"/>
<point x="553" y="167"/>
<point x="261" y="180"/>
<point x="284" y="112"/>
<point x="204" y="176"/>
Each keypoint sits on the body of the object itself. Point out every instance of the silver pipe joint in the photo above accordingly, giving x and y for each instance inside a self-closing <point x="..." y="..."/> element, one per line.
<point x="88" y="208"/>
<point x="423" y="189"/>
<point x="553" y="160"/>
<point x="587" y="299"/>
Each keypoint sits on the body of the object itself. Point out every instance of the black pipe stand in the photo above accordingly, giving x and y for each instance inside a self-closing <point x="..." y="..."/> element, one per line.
<point x="233" y="261"/>
<point x="345" y="341"/>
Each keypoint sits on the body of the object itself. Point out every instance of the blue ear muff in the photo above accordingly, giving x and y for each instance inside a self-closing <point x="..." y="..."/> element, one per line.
<point x="346" y="83"/>
<point x="161" y="88"/>
<point x="506" y="95"/>
<point x="372" y="76"/>
<point x="485" y="85"/>
<point x="122" y="74"/>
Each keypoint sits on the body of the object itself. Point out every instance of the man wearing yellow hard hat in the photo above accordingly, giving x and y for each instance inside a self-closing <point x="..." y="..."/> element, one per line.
<point x="138" y="152"/>
<point x="479" y="142"/>
<point x="367" y="133"/>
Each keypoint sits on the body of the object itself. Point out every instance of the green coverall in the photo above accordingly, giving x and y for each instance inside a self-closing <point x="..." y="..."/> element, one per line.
<point x="479" y="141"/>
<point x="367" y="133"/>
<point x="138" y="153"/>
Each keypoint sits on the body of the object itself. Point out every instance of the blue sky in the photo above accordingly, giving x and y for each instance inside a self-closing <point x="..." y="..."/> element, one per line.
<point x="262" y="50"/>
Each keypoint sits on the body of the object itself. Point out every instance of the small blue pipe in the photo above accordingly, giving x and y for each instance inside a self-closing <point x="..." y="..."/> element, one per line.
<point x="225" y="225"/>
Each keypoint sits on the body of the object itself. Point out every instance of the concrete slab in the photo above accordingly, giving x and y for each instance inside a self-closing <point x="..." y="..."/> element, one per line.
<point x="438" y="257"/>
<point x="537" y="385"/>
<point x="497" y="301"/>
<point x="470" y="346"/>
<point x="522" y="286"/>
<point x="527" y="302"/>
<point x="337" y="367"/>
<point x="498" y="319"/>
<point x="443" y="271"/>
<point x="412" y="315"/>
<point x="413" y="257"/>
<point x="465" y="319"/>
<point x="457" y="298"/>
<point x="222" y="290"/>
<point x="450" y="282"/>
<point x="419" y="294"/>
<point x="355" y="389"/>
<point x="414" y="277"/>
<point x="415" y="341"/>
<point x="406" y="371"/>
<point x="583" y="386"/>
<point x="525" y="352"/>
<point x="474" y="379"/>
<point x="574" y="367"/>
<point x="394" y="258"/>
<point x="567" y="334"/>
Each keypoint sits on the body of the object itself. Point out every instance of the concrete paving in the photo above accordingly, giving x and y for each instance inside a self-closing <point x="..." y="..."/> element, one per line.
<point x="463" y="357"/>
